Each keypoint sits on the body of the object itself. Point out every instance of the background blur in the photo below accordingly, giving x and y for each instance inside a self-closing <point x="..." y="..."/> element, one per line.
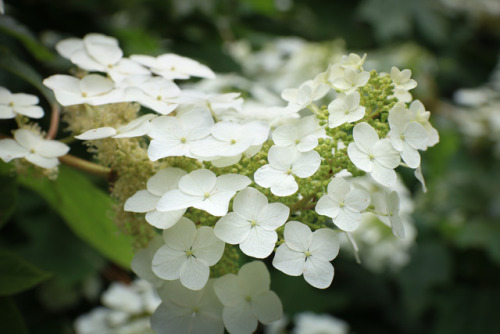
<point x="445" y="279"/>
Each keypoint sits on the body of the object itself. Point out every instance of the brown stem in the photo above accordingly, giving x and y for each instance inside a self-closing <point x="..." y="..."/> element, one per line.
<point x="85" y="165"/>
<point x="54" y="122"/>
<point x="300" y="204"/>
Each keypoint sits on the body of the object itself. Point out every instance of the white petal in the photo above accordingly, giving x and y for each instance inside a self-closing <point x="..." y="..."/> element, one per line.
<point x="318" y="273"/>
<point x="164" y="180"/>
<point x="232" y="182"/>
<point x="410" y="156"/>
<point x="10" y="149"/>
<point x="239" y="319"/>
<point x="194" y="274"/>
<point x="416" y="136"/>
<point x="259" y="243"/>
<point x="27" y="139"/>
<point x="207" y="247"/>
<point x="249" y="202"/>
<point x="217" y="204"/>
<point x="347" y="220"/>
<point x="383" y="175"/>
<point x="6" y="112"/>
<point x="232" y="228"/>
<point x="99" y="133"/>
<point x="324" y="244"/>
<point x="31" y="111"/>
<point x="228" y="290"/>
<point x="164" y="220"/>
<point x="289" y="261"/>
<point x="52" y="149"/>
<point x="175" y="200"/>
<point x="307" y="164"/>
<point x="68" y="46"/>
<point x="297" y="236"/>
<point x="181" y="236"/>
<point x="166" y="148"/>
<point x="357" y="200"/>
<point x="141" y="201"/>
<point x="385" y="154"/>
<point x="359" y="158"/>
<point x="267" y="307"/>
<point x="365" y="136"/>
<point x="167" y="262"/>
<point x="326" y="206"/>
<point x="198" y="182"/>
<point x="143" y="259"/>
<point x="42" y="161"/>
<point x="273" y="216"/>
<point x="254" y="277"/>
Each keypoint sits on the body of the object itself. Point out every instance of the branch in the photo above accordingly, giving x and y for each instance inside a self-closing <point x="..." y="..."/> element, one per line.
<point x="85" y="165"/>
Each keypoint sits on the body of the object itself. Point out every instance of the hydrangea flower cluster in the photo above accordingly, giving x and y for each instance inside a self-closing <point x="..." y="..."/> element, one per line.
<point x="281" y="184"/>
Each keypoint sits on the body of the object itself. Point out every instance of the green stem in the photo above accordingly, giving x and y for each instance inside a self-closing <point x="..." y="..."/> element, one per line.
<point x="85" y="165"/>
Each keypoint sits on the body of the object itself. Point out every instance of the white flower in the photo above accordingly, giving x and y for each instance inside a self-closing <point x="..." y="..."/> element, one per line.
<point x="253" y="223"/>
<point x="353" y="60"/>
<point x="123" y="298"/>
<point x="310" y="323"/>
<point x="203" y="190"/>
<point x="300" y="98"/>
<point x="184" y="311"/>
<point x="284" y="163"/>
<point x="231" y="139"/>
<point x="18" y="104"/>
<point x="158" y="94"/>
<point x="146" y="200"/>
<point x="187" y="254"/>
<point x="174" y="136"/>
<point x="302" y="135"/>
<point x="26" y="144"/>
<point x="171" y="66"/>
<point x="343" y="204"/>
<point x="247" y="299"/>
<point x="406" y="136"/>
<point x="387" y="210"/>
<point x="345" y="109"/>
<point x="308" y="253"/>
<point x="92" y="89"/>
<point x="136" y="128"/>
<point x="348" y="79"/>
<point x="402" y="79"/>
<point x="421" y="116"/>
<point x="373" y="155"/>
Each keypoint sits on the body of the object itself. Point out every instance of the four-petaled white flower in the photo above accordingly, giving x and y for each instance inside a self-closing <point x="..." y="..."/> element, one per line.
<point x="171" y="66"/>
<point x="203" y="190"/>
<point x="300" y="98"/>
<point x="158" y="94"/>
<point x="419" y="114"/>
<point x="252" y="223"/>
<point x="18" y="104"/>
<point x="247" y="299"/>
<point x="187" y="254"/>
<point x="284" y="163"/>
<point x="186" y="311"/>
<point x="343" y="204"/>
<point x="373" y="155"/>
<point x="402" y="79"/>
<point x="308" y="253"/>
<point x="174" y="136"/>
<point x="348" y="79"/>
<point x="146" y="200"/>
<point x="406" y="136"/>
<point x="345" y="109"/>
<point x="31" y="146"/>
<point x="92" y="89"/>
<point x="302" y="135"/>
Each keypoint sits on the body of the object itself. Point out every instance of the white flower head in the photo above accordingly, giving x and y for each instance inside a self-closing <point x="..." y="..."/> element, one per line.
<point x="345" y="109"/>
<point x="31" y="146"/>
<point x="343" y="204"/>
<point x="252" y="223"/>
<point x="373" y="155"/>
<point x="18" y="104"/>
<point x="172" y="66"/>
<point x="146" y="200"/>
<point x="307" y="253"/>
<point x="156" y="93"/>
<point x="187" y="311"/>
<point x="284" y="164"/>
<point x="187" y="254"/>
<point x="247" y="299"/>
<point x="203" y="190"/>
<point x="349" y="79"/>
<point x="406" y="136"/>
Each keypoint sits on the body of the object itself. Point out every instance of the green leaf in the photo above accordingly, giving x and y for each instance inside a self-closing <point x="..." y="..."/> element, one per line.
<point x="11" y="27"/>
<point x="11" y="320"/>
<point x="10" y="63"/>
<point x="86" y="209"/>
<point x="8" y="194"/>
<point x="17" y="275"/>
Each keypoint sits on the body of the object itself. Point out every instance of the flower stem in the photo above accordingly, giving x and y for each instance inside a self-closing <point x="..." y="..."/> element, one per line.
<point x="54" y="122"/>
<point x="85" y="165"/>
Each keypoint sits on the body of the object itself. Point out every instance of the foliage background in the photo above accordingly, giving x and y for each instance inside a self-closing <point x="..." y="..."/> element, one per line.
<point x="57" y="235"/>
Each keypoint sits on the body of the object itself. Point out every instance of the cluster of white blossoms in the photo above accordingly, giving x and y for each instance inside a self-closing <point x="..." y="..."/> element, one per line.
<point x="280" y="184"/>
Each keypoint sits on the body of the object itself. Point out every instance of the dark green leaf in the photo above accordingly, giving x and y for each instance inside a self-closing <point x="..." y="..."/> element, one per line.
<point x="17" y="275"/>
<point x="86" y="209"/>
<point x="10" y="26"/>
<point x="10" y="63"/>
<point x="8" y="194"/>
<point x="11" y="320"/>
